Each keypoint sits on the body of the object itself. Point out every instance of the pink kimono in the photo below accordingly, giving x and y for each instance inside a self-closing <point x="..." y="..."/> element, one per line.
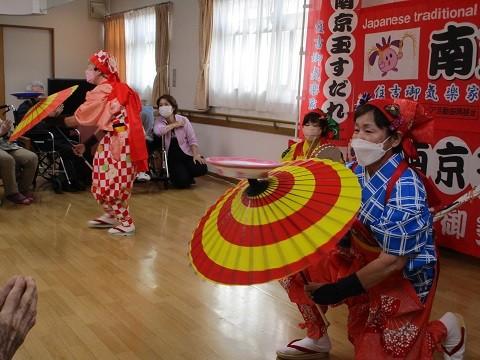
<point x="113" y="169"/>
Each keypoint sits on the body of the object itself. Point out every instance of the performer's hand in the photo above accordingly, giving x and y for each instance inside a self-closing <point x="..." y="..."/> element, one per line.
<point x="7" y="123"/>
<point x="333" y="293"/>
<point x="57" y="111"/>
<point x="311" y="287"/>
<point x="199" y="159"/>
<point x="78" y="149"/>
<point x="5" y="126"/>
<point x="18" y="300"/>
<point x="179" y="123"/>
<point x="73" y="132"/>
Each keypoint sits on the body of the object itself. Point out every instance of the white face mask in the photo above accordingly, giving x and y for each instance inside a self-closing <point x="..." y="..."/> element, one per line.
<point x="367" y="152"/>
<point x="311" y="132"/>
<point x="90" y="76"/>
<point x="165" y="111"/>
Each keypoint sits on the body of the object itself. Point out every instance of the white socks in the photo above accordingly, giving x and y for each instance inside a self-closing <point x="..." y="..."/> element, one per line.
<point x="453" y="323"/>
<point x="104" y="221"/>
<point x="321" y="345"/>
<point x="121" y="230"/>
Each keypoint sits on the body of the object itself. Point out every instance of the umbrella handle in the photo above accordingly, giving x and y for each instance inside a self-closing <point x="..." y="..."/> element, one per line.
<point x="71" y="143"/>
<point x="87" y="163"/>
<point x="256" y="187"/>
<point x="319" y="308"/>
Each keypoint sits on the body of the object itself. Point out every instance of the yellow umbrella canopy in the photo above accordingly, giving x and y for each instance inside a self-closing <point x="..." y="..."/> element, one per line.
<point x="40" y="111"/>
<point x="262" y="230"/>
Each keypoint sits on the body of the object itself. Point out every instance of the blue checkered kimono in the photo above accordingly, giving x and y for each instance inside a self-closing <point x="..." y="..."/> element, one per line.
<point x="402" y="225"/>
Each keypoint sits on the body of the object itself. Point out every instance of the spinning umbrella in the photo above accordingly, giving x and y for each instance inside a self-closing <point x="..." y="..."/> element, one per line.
<point x="23" y="95"/>
<point x="266" y="229"/>
<point x="40" y="111"/>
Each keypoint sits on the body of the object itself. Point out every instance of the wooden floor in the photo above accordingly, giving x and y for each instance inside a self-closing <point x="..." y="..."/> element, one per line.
<point x="138" y="298"/>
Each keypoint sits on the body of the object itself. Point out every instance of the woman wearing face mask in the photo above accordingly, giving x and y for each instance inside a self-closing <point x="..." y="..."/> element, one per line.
<point x="316" y="126"/>
<point x="184" y="159"/>
<point x="387" y="273"/>
<point x="114" y="108"/>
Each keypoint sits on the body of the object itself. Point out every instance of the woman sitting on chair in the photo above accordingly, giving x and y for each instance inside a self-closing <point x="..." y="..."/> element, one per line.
<point x="13" y="157"/>
<point x="184" y="159"/>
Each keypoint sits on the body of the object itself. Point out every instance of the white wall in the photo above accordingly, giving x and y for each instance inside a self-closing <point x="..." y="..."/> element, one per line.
<point x="76" y="35"/>
<point x="224" y="141"/>
<point x="20" y="67"/>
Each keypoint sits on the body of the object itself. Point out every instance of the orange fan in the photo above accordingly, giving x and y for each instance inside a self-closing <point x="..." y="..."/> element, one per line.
<point x="262" y="230"/>
<point x="40" y="111"/>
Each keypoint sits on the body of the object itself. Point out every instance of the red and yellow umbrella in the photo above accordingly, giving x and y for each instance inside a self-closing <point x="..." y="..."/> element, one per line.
<point x="262" y="230"/>
<point x="40" y="111"/>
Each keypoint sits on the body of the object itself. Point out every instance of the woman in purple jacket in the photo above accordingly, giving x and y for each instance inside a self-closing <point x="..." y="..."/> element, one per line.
<point x="184" y="159"/>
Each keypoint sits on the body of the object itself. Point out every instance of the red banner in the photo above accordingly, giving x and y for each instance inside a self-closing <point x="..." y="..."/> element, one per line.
<point x="421" y="50"/>
<point x="329" y="64"/>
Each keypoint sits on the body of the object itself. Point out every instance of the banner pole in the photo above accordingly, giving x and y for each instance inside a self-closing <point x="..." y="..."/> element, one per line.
<point x="300" y="68"/>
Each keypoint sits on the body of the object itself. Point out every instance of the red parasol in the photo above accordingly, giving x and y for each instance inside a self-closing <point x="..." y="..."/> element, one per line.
<point x="40" y="111"/>
<point x="262" y="230"/>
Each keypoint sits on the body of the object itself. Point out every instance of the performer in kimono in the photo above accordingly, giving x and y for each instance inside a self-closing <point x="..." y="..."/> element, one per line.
<point x="317" y="128"/>
<point x="386" y="271"/>
<point x="114" y="108"/>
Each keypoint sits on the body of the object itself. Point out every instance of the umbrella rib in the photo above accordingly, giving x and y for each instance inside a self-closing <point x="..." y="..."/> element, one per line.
<point x="298" y="229"/>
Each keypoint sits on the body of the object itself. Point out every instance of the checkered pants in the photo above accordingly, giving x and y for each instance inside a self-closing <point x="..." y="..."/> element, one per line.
<point x="113" y="176"/>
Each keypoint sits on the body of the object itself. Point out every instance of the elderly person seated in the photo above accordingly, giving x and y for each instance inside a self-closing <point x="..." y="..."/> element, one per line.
<point x="184" y="159"/>
<point x="13" y="159"/>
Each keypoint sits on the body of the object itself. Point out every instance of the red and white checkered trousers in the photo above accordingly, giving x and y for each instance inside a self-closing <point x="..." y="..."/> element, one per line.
<point x="113" y="175"/>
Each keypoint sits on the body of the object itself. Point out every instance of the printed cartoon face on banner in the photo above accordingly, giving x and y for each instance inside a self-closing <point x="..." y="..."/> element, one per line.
<point x="391" y="55"/>
<point x="430" y="54"/>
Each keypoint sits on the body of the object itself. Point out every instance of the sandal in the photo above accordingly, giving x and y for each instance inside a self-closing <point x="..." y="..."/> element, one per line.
<point x="294" y="352"/>
<point x="102" y="222"/>
<point x="19" y="199"/>
<point x="122" y="230"/>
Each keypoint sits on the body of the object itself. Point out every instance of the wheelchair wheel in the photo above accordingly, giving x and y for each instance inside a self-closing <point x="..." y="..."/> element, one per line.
<point x="57" y="185"/>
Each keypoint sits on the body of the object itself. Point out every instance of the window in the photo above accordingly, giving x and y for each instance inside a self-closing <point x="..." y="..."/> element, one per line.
<point x="254" y="59"/>
<point x="140" y="50"/>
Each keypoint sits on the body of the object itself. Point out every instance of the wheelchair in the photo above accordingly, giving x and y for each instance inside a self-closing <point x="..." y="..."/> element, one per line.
<point x="158" y="161"/>
<point x="51" y="165"/>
